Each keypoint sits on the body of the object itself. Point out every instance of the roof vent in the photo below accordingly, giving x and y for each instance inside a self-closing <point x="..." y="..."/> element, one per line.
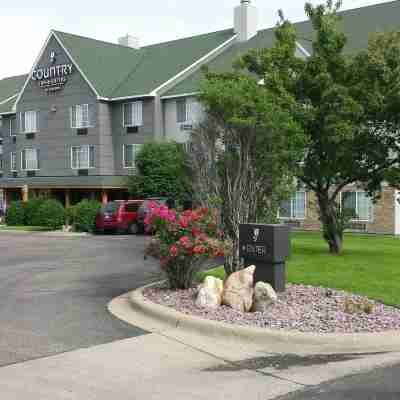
<point x="245" y="21"/>
<point x="129" y="41"/>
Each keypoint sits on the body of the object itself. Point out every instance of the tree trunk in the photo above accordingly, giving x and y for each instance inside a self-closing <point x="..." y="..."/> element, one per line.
<point x="331" y="224"/>
<point x="232" y="261"/>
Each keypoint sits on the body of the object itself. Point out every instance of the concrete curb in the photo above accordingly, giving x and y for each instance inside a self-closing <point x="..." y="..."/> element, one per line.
<point x="339" y="343"/>
<point x="45" y="233"/>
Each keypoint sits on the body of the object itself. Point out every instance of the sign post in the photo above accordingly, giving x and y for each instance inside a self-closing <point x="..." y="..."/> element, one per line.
<point x="266" y="247"/>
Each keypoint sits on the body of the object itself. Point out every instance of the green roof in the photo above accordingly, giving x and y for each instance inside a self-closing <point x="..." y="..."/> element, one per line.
<point x="119" y="71"/>
<point x="358" y="24"/>
<point x="10" y="87"/>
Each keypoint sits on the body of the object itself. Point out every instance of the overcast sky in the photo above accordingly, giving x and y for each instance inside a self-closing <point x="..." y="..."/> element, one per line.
<point x="25" y="24"/>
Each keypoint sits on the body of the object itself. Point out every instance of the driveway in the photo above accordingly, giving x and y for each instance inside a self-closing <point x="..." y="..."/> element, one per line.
<point x="54" y="291"/>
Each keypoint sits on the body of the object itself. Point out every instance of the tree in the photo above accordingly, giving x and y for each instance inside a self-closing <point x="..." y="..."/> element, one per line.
<point x="348" y="106"/>
<point x="245" y="152"/>
<point x="162" y="168"/>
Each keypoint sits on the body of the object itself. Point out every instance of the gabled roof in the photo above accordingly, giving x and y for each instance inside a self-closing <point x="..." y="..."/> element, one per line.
<point x="115" y="71"/>
<point x="358" y="24"/>
<point x="9" y="89"/>
<point x="118" y="71"/>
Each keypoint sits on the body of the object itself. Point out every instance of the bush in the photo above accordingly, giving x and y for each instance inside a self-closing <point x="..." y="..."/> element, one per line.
<point x="184" y="242"/>
<point x="51" y="214"/>
<point x="83" y="215"/>
<point x="15" y="214"/>
<point x="31" y="212"/>
<point x="162" y="168"/>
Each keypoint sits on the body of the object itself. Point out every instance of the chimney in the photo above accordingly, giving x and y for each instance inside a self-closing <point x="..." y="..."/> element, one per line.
<point x="245" y="21"/>
<point x="129" y="41"/>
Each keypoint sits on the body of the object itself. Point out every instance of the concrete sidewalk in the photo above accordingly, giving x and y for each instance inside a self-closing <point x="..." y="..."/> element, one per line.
<point x="157" y="367"/>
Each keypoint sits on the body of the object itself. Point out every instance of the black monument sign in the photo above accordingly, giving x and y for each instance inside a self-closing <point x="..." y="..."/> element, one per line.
<point x="266" y="247"/>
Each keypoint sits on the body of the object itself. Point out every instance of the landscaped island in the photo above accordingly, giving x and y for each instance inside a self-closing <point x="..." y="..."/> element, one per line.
<point x="326" y="294"/>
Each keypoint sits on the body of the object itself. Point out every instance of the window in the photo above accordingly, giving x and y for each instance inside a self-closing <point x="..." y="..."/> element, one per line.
<point x="359" y="204"/>
<point x="13" y="161"/>
<point x="1" y="146"/>
<point x="295" y="208"/>
<point x="82" y="157"/>
<point x="181" y="115"/>
<point x="133" y="114"/>
<point x="187" y="111"/>
<point x="29" y="121"/>
<point x="130" y="152"/>
<point x="13" y="126"/>
<point x="80" y="116"/>
<point x="30" y="159"/>
<point x="1" y="164"/>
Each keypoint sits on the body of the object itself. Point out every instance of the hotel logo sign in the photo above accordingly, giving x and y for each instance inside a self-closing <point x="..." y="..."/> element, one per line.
<point x="52" y="78"/>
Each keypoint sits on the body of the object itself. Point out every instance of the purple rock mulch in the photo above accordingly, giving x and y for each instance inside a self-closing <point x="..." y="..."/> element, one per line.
<point x="300" y="308"/>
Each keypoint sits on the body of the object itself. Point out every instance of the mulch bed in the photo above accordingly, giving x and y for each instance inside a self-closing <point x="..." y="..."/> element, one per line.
<point x="300" y="308"/>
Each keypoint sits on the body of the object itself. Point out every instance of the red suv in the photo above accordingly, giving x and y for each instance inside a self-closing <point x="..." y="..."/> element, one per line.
<point x="119" y="216"/>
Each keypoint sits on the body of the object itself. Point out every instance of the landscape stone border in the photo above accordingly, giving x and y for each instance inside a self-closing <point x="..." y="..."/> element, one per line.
<point x="341" y="343"/>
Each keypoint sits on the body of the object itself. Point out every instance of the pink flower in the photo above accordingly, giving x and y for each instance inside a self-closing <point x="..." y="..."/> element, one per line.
<point x="171" y="216"/>
<point x="196" y="232"/>
<point x="173" y="251"/>
<point x="185" y="242"/>
<point x="184" y="222"/>
<point x="163" y="212"/>
<point x="199" y="250"/>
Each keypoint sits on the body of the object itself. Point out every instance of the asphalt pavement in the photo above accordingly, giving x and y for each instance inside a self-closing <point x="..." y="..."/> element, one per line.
<point x="54" y="291"/>
<point x="378" y="384"/>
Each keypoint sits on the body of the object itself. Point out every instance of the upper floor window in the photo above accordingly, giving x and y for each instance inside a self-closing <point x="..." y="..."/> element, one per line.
<point x="13" y="161"/>
<point x="82" y="157"/>
<point x="13" y="126"/>
<point x="187" y="111"/>
<point x="80" y="116"/>
<point x="130" y="152"/>
<point x="30" y="159"/>
<point x="295" y="208"/>
<point x="1" y="164"/>
<point x="1" y="146"/>
<point x="29" y="121"/>
<point x="133" y="114"/>
<point x="358" y="204"/>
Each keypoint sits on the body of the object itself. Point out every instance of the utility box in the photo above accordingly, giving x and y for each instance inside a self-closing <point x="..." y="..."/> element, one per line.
<point x="266" y="247"/>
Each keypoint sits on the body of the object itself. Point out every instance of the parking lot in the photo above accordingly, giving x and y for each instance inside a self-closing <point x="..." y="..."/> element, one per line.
<point x="54" y="291"/>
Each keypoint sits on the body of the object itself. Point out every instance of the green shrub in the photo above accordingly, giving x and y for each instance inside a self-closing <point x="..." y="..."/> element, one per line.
<point x="83" y="215"/>
<point x="51" y="214"/>
<point x="31" y="211"/>
<point x="15" y="214"/>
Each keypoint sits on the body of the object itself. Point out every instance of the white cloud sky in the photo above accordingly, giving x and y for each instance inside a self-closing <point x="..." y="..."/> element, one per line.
<point x="25" y="24"/>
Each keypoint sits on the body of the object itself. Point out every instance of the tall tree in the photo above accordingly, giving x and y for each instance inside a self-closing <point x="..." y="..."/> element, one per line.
<point x="348" y="106"/>
<point x="244" y="153"/>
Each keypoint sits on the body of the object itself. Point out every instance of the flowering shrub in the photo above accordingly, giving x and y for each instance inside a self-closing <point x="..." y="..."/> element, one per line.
<point x="186" y="240"/>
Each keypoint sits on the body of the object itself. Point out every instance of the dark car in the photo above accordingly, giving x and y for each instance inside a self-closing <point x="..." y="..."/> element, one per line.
<point x="144" y="209"/>
<point x="119" y="216"/>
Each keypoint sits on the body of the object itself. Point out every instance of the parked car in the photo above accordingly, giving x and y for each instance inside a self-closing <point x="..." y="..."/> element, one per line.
<point x="144" y="209"/>
<point x="119" y="216"/>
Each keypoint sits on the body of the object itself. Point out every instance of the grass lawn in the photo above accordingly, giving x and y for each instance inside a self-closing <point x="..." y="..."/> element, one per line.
<point x="24" y="228"/>
<point x="369" y="265"/>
